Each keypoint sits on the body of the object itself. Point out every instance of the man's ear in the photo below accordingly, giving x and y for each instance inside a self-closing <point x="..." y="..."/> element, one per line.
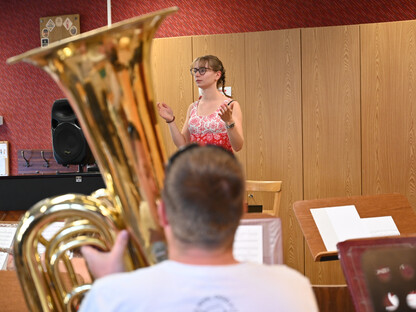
<point x="161" y="212"/>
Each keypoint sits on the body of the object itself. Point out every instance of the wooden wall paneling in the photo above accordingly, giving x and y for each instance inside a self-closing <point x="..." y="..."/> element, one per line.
<point x="274" y="134"/>
<point x="388" y="62"/>
<point x="171" y="58"/>
<point x="331" y="124"/>
<point x="229" y="49"/>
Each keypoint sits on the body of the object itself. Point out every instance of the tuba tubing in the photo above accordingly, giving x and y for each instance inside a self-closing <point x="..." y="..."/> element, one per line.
<point x="106" y="76"/>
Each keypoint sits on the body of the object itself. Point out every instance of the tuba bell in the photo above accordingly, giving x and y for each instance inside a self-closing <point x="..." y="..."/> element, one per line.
<point x="106" y="76"/>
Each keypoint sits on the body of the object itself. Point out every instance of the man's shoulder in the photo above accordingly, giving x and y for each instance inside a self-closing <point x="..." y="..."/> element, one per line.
<point x="270" y="267"/>
<point x="274" y="273"/>
<point x="126" y="277"/>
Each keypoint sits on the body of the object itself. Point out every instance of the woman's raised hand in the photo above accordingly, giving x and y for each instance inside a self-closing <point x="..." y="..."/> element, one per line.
<point x="165" y="111"/>
<point x="226" y="111"/>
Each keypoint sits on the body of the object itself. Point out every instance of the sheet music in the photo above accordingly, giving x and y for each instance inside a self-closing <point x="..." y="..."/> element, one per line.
<point x="3" y="167"/>
<point x="3" y="260"/>
<point x="381" y="226"/>
<point x="326" y="229"/>
<point x="4" y="161"/>
<point x="7" y="233"/>
<point x="337" y="224"/>
<point x="346" y="222"/>
<point x="248" y="244"/>
<point x="6" y="236"/>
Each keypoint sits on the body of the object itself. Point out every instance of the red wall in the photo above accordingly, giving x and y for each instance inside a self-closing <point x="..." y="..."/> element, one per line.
<point x="27" y="93"/>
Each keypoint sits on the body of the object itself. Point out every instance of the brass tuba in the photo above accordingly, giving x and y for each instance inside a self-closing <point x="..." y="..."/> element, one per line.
<point x="106" y="76"/>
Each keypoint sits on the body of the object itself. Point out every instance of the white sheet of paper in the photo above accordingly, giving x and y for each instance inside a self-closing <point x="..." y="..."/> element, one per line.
<point x="337" y="224"/>
<point x="381" y="226"/>
<point x="327" y="231"/>
<point x="3" y="166"/>
<point x="347" y="223"/>
<point x="6" y="236"/>
<point x="4" y="161"/>
<point x="3" y="260"/>
<point x="248" y="244"/>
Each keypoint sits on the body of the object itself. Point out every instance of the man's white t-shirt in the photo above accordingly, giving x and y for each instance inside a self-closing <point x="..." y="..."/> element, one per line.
<point x="173" y="286"/>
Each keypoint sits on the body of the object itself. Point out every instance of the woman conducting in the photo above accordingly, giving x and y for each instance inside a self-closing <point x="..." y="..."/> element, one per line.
<point x="214" y="118"/>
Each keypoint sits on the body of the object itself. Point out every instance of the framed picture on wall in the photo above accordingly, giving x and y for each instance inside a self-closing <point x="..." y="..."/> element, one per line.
<point x="4" y="158"/>
<point x="55" y="28"/>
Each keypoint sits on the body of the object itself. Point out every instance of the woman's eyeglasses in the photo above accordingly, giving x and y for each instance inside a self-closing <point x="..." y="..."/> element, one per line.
<point x="201" y="70"/>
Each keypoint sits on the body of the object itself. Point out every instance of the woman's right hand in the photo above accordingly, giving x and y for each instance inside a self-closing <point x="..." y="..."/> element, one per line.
<point x="165" y="111"/>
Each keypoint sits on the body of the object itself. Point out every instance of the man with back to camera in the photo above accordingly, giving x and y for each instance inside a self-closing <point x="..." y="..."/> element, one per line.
<point x="202" y="203"/>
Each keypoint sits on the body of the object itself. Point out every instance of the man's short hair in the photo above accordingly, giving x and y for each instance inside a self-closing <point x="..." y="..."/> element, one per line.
<point x="203" y="196"/>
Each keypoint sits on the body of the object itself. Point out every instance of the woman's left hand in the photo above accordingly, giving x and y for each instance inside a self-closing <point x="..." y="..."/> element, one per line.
<point x="226" y="111"/>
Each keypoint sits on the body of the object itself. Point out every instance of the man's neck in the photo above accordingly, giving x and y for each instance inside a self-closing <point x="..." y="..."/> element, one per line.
<point x="199" y="256"/>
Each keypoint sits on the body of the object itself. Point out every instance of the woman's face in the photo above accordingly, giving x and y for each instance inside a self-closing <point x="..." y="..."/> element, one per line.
<point x="208" y="78"/>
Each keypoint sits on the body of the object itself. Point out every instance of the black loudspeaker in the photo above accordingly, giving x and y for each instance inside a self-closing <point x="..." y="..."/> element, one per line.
<point x="69" y="144"/>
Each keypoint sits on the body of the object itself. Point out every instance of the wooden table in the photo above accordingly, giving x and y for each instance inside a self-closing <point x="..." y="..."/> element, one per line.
<point x="11" y="298"/>
<point x="11" y="215"/>
<point x="395" y="205"/>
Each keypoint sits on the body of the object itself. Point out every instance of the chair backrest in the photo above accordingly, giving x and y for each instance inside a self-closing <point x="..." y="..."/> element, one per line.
<point x="266" y="186"/>
<point x="380" y="272"/>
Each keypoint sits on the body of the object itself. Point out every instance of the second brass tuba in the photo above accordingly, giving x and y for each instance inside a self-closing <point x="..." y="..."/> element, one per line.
<point x="106" y="76"/>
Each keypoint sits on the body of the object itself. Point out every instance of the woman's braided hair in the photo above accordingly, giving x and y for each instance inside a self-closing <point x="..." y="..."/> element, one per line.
<point x="216" y="65"/>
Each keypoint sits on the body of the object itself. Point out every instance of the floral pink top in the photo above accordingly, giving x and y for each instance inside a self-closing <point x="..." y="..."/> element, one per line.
<point x="208" y="129"/>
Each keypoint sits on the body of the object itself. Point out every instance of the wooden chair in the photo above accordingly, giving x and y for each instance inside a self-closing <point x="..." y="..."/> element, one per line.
<point x="266" y="186"/>
<point x="380" y="272"/>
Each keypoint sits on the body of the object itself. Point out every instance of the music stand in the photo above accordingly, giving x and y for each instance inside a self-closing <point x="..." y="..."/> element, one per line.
<point x="395" y="205"/>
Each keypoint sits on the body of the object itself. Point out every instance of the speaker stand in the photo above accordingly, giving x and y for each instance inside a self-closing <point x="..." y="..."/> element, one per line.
<point x="80" y="170"/>
<point x="84" y="169"/>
